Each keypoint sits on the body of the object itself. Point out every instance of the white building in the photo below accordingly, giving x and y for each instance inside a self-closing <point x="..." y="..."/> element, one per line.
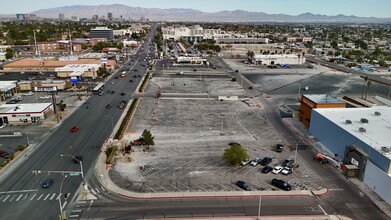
<point x="24" y="113"/>
<point x="2" y="56"/>
<point x="77" y="70"/>
<point x="361" y="138"/>
<point x="193" y="33"/>
<point x="278" y="59"/>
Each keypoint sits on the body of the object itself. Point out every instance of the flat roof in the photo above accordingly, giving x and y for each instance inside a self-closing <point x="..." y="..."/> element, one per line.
<point x="323" y="99"/>
<point x="7" y="85"/>
<point x="78" y="67"/>
<point x="23" y="108"/>
<point x="377" y="130"/>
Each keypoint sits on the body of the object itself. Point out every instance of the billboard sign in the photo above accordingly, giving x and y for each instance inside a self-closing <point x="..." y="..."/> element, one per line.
<point x="45" y="89"/>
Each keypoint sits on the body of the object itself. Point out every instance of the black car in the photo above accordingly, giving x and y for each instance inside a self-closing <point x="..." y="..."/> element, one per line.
<point x="267" y="169"/>
<point x="281" y="184"/>
<point x="243" y="185"/>
<point x="123" y="94"/>
<point x="113" y="92"/>
<point x="266" y="161"/>
<point x="47" y="183"/>
<point x="279" y="147"/>
<point x="108" y="106"/>
<point x="288" y="162"/>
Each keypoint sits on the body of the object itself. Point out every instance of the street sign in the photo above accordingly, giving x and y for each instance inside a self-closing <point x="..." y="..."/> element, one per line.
<point x="74" y="174"/>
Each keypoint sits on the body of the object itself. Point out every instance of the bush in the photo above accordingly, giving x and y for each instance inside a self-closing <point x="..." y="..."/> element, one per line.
<point x="108" y="151"/>
<point x="236" y="71"/>
<point x="21" y="147"/>
<point x="124" y="122"/>
<point x="110" y="156"/>
<point x="233" y="80"/>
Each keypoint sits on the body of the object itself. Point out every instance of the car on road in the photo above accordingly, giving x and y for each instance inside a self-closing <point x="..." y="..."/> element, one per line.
<point x="45" y="97"/>
<point x="109" y="91"/>
<point x="286" y="170"/>
<point x="245" y="162"/>
<point x="108" y="106"/>
<point x="28" y="94"/>
<point x="116" y="77"/>
<point x="112" y="92"/>
<point x="243" y="185"/>
<point x="265" y="161"/>
<point x="46" y="183"/>
<point x="74" y="129"/>
<point x="267" y="169"/>
<point x="255" y="162"/>
<point x="123" y="94"/>
<point x="279" y="147"/>
<point x="281" y="184"/>
<point x="277" y="169"/>
<point x="134" y="76"/>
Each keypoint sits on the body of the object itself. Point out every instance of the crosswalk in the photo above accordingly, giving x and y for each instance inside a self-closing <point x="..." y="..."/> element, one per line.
<point x="20" y="197"/>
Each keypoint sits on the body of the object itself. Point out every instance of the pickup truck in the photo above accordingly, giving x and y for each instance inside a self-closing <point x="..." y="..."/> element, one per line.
<point x="122" y="104"/>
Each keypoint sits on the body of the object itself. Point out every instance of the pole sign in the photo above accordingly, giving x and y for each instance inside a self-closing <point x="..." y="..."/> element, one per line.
<point x="74" y="79"/>
<point x="103" y="60"/>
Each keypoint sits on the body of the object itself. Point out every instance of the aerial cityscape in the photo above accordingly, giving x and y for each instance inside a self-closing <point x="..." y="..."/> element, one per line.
<point x="195" y="110"/>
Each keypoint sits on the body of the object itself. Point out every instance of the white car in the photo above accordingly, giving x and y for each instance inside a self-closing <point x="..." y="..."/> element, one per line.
<point x="45" y="97"/>
<point x="255" y="162"/>
<point x="277" y="169"/>
<point x="286" y="170"/>
<point x="245" y="162"/>
<point x="28" y="94"/>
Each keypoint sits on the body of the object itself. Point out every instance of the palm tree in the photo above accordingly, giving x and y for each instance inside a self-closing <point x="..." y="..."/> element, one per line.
<point x="363" y="86"/>
<point x="250" y="56"/>
<point x="369" y="85"/>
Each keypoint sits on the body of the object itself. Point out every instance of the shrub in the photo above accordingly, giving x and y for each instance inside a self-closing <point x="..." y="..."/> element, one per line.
<point x="233" y="80"/>
<point x="110" y="157"/>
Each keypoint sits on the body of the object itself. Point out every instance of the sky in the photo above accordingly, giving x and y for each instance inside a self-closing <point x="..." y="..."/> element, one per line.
<point x="361" y="8"/>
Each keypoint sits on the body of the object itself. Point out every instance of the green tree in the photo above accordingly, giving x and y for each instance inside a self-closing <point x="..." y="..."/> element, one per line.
<point x="9" y="53"/>
<point x="250" y="56"/>
<point x="148" y="138"/>
<point x="234" y="155"/>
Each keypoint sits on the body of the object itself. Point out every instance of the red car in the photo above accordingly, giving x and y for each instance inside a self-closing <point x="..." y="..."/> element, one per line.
<point x="74" y="129"/>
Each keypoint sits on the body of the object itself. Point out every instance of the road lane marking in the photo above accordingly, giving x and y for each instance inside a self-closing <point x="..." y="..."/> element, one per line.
<point x="89" y="207"/>
<point x="59" y="195"/>
<point x="39" y="197"/>
<point x="97" y="190"/>
<point x="19" y="191"/>
<point x="12" y="198"/>
<point x="25" y="197"/>
<point x="74" y="216"/>
<point x="52" y="196"/>
<point x="6" y="198"/>
<point x="324" y="212"/>
<point x="19" y="197"/>
<point x="103" y="189"/>
<point x="93" y="191"/>
<point x="46" y="197"/>
<point x="78" y="210"/>
<point x="33" y="197"/>
<point x="81" y="202"/>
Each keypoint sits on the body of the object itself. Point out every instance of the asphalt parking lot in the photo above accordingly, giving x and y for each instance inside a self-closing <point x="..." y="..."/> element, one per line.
<point x="191" y="135"/>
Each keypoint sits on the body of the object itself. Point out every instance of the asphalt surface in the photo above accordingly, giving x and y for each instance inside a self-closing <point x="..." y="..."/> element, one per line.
<point x="94" y="127"/>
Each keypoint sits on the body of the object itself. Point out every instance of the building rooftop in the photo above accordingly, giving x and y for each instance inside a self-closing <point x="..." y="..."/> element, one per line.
<point x="323" y="99"/>
<point x="78" y="67"/>
<point x="370" y="125"/>
<point x="23" y="108"/>
<point x="7" y="85"/>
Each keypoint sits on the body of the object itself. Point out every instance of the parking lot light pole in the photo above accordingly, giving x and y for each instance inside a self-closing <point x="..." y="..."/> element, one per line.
<point x="79" y="161"/>
<point x="297" y="146"/>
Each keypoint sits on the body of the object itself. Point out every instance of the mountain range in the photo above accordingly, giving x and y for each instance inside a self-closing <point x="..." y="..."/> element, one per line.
<point x="182" y="14"/>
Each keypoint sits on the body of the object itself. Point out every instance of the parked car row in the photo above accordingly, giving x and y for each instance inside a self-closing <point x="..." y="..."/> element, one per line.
<point x="14" y="100"/>
<point x="281" y="184"/>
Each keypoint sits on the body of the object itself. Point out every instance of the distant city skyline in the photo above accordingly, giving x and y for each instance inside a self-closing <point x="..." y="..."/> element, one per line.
<point x="360" y="8"/>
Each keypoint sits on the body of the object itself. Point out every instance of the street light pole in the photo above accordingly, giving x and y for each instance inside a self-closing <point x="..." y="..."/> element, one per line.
<point x="298" y="94"/>
<point x="259" y="208"/>
<point x="79" y="161"/>
<point x="297" y="146"/>
<point x="59" y="199"/>
<point x="27" y="137"/>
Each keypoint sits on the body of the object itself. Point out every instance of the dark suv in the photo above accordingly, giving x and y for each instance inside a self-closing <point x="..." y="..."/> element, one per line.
<point x="281" y="184"/>
<point x="47" y="183"/>
<point x="288" y="162"/>
<point x="279" y="147"/>
<point x="243" y="185"/>
<point x="266" y="161"/>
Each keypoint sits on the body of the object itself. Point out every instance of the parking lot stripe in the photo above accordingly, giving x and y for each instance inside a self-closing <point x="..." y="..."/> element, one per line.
<point x="186" y="186"/>
<point x="163" y="188"/>
<point x="25" y="197"/>
<point x="176" y="167"/>
<point x="189" y="167"/>
<point x="228" y="189"/>
<point x="6" y="198"/>
<point x="150" y="188"/>
<point x="59" y="195"/>
<point x="1" y="197"/>
<point x="210" y="186"/>
<point x="33" y="197"/>
<point x="254" y="168"/>
<point x="197" y="168"/>
<point x="12" y="198"/>
<point x="20" y="196"/>
<point x="103" y="189"/>
<point x="176" y="187"/>
<point x="200" y="187"/>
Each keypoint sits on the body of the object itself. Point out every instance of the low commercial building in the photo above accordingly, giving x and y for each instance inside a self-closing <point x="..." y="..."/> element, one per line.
<point x="309" y="102"/>
<point x="81" y="70"/>
<point x="234" y="40"/>
<point x="189" y="61"/>
<point x="279" y="59"/>
<point x="361" y="138"/>
<point x="8" y="89"/>
<point x="15" y="114"/>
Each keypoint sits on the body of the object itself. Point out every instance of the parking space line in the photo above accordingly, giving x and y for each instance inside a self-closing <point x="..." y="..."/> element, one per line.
<point x="170" y="170"/>
<point x="186" y="186"/>
<point x="225" y="167"/>
<point x="240" y="169"/>
<point x="189" y="167"/>
<point x="59" y="195"/>
<point x="150" y="188"/>
<point x="225" y="187"/>
<point x="217" y="165"/>
<point x="256" y="167"/>
<point x="176" y="187"/>
<point x="210" y="186"/>
<point x="200" y="187"/>
<point x="12" y="198"/>
<point x="197" y="168"/>
<point x="39" y="197"/>
<point x="163" y="188"/>
<point x="170" y="167"/>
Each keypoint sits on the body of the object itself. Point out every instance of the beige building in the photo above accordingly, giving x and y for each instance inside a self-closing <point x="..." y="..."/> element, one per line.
<point x="78" y="70"/>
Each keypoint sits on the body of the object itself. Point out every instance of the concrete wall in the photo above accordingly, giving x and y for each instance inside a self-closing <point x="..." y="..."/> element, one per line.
<point x="336" y="139"/>
<point x="378" y="181"/>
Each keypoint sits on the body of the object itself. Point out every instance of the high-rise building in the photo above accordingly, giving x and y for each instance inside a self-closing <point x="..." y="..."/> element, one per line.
<point x="95" y="17"/>
<point x="61" y="16"/>
<point x="102" y="32"/>
<point x="110" y="16"/>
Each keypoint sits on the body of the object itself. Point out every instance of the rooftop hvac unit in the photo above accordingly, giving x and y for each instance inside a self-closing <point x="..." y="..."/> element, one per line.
<point x="364" y="120"/>
<point x="385" y="149"/>
<point x="362" y="129"/>
<point x="377" y="113"/>
<point x="348" y="122"/>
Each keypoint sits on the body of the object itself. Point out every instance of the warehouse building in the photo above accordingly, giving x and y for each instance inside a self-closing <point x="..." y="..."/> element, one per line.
<point x="361" y="138"/>
<point x="274" y="59"/>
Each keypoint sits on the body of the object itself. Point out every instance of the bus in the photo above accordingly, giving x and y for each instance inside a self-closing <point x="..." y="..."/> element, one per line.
<point x="99" y="88"/>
